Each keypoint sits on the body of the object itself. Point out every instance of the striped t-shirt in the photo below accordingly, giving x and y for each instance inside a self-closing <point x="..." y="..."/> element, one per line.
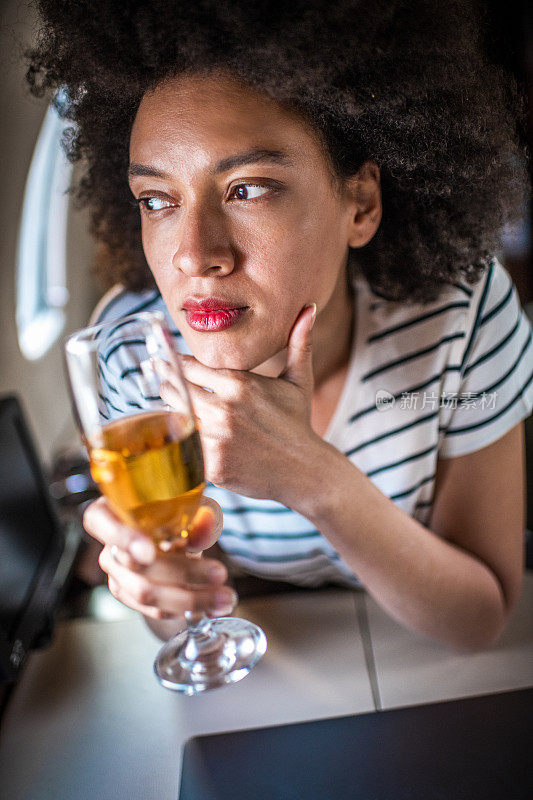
<point x="424" y="382"/>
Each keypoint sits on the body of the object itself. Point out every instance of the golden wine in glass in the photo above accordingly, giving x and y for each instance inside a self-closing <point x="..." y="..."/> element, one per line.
<point x="151" y="470"/>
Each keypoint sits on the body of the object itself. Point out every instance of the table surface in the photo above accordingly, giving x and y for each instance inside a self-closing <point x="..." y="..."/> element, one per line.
<point x="89" y="719"/>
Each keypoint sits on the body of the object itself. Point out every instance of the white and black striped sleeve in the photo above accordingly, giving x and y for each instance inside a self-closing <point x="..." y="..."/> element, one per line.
<point x="496" y="386"/>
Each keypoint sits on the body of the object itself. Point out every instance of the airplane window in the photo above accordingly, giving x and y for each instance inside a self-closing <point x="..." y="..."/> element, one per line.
<point x="41" y="292"/>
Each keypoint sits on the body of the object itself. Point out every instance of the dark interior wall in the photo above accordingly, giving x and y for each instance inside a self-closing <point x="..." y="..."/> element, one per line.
<point x="510" y="42"/>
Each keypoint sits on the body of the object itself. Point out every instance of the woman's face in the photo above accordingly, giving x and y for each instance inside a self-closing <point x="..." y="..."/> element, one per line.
<point x="241" y="223"/>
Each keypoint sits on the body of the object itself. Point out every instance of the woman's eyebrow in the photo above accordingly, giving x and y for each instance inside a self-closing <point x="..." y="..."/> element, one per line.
<point x="252" y="156"/>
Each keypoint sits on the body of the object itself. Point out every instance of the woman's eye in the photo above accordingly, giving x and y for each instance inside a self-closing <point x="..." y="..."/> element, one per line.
<point x="154" y="204"/>
<point x="248" y="191"/>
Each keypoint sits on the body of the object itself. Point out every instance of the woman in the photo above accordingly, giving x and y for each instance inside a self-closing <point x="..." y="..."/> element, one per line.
<point x="335" y="169"/>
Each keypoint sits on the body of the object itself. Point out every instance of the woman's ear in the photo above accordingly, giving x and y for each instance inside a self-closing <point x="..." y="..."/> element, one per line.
<point x="364" y="196"/>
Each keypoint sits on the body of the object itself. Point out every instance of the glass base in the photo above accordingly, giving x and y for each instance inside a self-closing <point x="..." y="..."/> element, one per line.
<point x="233" y="646"/>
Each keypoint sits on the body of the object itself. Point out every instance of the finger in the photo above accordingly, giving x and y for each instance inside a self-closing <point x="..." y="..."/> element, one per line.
<point x="219" y="381"/>
<point x="206" y="526"/>
<point x="147" y="611"/>
<point x="114" y="563"/>
<point x="172" y="569"/>
<point x="194" y="372"/>
<point x="299" y="368"/>
<point x="172" y="600"/>
<point x="102" y="524"/>
<point x="199" y="397"/>
<point x="170" y="395"/>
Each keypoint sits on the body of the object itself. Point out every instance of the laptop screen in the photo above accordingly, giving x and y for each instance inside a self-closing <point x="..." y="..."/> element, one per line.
<point x="28" y="527"/>
<point x="468" y="749"/>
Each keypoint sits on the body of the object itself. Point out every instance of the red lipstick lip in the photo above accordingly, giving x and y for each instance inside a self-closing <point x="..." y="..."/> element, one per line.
<point x="208" y="304"/>
<point x="213" y="321"/>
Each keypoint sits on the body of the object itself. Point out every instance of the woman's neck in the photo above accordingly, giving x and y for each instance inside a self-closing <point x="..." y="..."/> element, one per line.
<point x="333" y="334"/>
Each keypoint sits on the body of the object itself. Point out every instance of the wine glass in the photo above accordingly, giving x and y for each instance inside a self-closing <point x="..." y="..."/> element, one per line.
<point x="146" y="458"/>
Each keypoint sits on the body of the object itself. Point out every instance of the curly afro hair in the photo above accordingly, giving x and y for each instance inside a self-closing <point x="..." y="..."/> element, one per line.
<point x="405" y="83"/>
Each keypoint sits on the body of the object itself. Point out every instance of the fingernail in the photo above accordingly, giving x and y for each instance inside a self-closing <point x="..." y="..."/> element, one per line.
<point x="225" y="601"/>
<point x="142" y="551"/>
<point x="160" y="367"/>
<point x="163" y="391"/>
<point x="313" y="306"/>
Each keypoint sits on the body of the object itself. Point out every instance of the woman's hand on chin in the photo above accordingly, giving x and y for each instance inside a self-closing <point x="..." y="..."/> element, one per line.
<point x="255" y="431"/>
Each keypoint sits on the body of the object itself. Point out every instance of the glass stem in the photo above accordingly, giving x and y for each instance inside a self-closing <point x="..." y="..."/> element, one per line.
<point x="197" y="621"/>
<point x="204" y="649"/>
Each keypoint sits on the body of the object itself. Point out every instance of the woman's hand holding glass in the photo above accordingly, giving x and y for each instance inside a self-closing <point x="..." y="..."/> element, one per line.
<point x="162" y="585"/>
<point x="147" y="461"/>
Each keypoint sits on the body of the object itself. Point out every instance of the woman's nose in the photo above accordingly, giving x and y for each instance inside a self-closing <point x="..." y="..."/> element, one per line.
<point x="203" y="244"/>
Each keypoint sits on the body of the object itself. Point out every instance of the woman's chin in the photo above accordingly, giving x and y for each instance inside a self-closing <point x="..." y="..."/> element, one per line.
<point x="218" y="351"/>
<point x="218" y="358"/>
